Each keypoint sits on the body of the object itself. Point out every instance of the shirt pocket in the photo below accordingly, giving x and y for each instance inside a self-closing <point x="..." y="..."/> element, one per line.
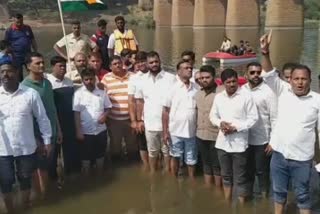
<point x="21" y="107"/>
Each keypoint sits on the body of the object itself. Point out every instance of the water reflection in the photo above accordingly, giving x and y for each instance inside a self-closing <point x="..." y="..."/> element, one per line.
<point x="286" y="46"/>
<point x="182" y="39"/>
<point x="162" y="44"/>
<point x="206" y="40"/>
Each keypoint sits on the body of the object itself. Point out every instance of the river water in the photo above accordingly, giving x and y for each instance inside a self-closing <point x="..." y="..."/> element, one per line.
<point x="128" y="190"/>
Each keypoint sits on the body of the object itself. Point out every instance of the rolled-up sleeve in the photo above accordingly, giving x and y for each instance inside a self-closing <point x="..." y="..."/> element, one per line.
<point x="273" y="80"/>
<point x="62" y="42"/>
<point x="138" y="93"/>
<point x="40" y="114"/>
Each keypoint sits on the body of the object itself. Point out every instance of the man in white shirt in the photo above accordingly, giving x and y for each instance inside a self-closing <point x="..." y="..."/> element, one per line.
<point x="293" y="137"/>
<point x="234" y="112"/>
<point x="140" y="68"/>
<point x="179" y="120"/>
<point x="259" y="134"/>
<point x="91" y="107"/>
<point x="18" y="106"/>
<point x="149" y="99"/>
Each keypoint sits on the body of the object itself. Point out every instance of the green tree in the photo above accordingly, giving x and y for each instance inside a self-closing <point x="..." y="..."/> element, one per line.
<point x="312" y="9"/>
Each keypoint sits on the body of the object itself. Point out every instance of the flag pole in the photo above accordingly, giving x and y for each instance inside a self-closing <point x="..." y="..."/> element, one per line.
<point x="64" y="30"/>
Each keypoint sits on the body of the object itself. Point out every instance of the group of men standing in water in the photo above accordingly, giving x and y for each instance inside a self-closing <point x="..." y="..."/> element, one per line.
<point x="243" y="134"/>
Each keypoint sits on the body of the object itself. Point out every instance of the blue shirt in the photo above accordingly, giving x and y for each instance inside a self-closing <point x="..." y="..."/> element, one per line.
<point x="20" y="39"/>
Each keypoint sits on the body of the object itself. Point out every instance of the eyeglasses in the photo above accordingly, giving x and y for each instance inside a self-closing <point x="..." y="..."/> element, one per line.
<point x="254" y="72"/>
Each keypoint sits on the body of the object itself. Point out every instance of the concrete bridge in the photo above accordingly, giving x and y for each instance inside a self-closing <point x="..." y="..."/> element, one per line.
<point x="228" y="13"/>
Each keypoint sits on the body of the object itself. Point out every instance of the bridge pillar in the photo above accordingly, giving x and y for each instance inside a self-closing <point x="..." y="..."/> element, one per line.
<point x="209" y="13"/>
<point x="162" y="12"/>
<point x="285" y="13"/>
<point x="161" y="44"/>
<point x="181" y="40"/>
<point x="243" y="13"/>
<point x="182" y="12"/>
<point x="286" y="46"/>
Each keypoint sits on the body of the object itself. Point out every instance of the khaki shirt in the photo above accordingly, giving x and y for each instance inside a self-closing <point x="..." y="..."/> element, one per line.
<point x="76" y="44"/>
<point x="204" y="101"/>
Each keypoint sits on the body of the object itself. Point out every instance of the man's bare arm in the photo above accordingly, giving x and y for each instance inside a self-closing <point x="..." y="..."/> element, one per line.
<point x="60" y="51"/>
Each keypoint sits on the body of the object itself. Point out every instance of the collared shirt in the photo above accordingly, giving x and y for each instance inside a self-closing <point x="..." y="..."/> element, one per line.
<point x="239" y="110"/>
<point x="76" y="44"/>
<point x="134" y="82"/>
<point x="44" y="88"/>
<point x="17" y="111"/>
<point x="57" y="83"/>
<point x="153" y="90"/>
<point x="183" y="114"/>
<point x="91" y="106"/>
<point x="112" y="42"/>
<point x="192" y="79"/>
<point x="294" y="132"/>
<point x="266" y="102"/>
<point x="75" y="77"/>
<point x="20" y="40"/>
<point x="117" y="89"/>
<point x="204" y="101"/>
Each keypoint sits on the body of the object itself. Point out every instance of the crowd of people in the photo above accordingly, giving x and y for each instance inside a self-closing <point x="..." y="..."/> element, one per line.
<point x="106" y="88"/>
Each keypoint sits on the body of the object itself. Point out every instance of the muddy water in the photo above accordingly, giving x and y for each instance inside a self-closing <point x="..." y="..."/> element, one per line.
<point x="130" y="191"/>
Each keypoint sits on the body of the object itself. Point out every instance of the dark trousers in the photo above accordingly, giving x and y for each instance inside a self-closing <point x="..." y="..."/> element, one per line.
<point x="21" y="167"/>
<point x="209" y="157"/>
<point x="234" y="170"/>
<point x="259" y="166"/>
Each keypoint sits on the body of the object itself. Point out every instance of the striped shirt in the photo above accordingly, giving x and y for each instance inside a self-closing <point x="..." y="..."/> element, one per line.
<point x="117" y="89"/>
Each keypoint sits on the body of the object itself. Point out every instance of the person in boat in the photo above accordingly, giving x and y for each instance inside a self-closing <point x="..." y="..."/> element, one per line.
<point x="248" y="47"/>
<point x="235" y="50"/>
<point x="242" y="48"/>
<point x="121" y="38"/>
<point x="226" y="45"/>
